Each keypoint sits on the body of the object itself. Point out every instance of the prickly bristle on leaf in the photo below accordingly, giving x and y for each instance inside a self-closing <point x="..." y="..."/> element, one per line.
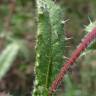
<point x="92" y="45"/>
<point x="90" y="26"/>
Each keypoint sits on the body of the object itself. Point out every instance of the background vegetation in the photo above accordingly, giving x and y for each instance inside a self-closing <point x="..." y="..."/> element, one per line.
<point x="18" y="27"/>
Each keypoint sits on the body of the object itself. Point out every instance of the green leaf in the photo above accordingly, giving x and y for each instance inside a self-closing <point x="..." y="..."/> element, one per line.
<point x="7" y="57"/>
<point x="58" y="38"/>
<point x="92" y="46"/>
<point x="43" y="52"/>
<point x="50" y="45"/>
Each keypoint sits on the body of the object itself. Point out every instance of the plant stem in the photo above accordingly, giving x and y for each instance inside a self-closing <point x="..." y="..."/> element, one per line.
<point x="82" y="46"/>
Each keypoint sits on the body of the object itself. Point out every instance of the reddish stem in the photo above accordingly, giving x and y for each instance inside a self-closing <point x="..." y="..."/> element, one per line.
<point x="82" y="46"/>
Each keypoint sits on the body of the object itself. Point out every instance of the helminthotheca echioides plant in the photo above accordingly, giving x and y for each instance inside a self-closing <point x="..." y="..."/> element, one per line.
<point x="50" y="46"/>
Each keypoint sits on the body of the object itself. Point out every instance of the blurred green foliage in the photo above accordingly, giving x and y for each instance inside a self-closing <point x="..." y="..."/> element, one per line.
<point x="17" y="28"/>
<point x="22" y="31"/>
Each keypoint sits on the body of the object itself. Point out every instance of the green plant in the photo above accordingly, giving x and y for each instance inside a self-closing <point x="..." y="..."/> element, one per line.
<point x="50" y="45"/>
<point x="50" y="27"/>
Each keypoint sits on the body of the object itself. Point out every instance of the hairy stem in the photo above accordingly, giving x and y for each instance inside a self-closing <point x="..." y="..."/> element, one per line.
<point x="82" y="46"/>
